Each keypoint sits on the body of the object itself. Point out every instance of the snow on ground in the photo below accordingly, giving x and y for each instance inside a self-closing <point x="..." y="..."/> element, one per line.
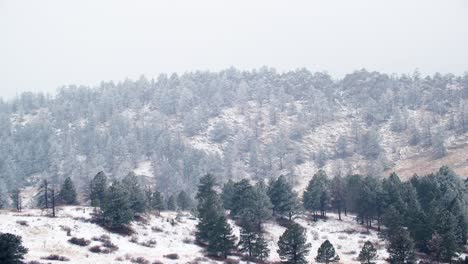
<point x="44" y="236"/>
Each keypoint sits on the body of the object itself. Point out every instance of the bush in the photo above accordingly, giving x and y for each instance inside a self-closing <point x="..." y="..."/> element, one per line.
<point x="172" y="256"/>
<point x="109" y="246"/>
<point x="95" y="249"/>
<point x="157" y="229"/>
<point x="149" y="243"/>
<point x="56" y="257"/>
<point x="231" y="261"/>
<point x="102" y="238"/>
<point x="79" y="241"/>
<point x="22" y="222"/>
<point x="140" y="260"/>
<point x="157" y="262"/>
<point x="134" y="239"/>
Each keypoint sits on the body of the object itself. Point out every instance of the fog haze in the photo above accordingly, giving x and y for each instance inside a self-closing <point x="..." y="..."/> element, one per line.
<point x="46" y="44"/>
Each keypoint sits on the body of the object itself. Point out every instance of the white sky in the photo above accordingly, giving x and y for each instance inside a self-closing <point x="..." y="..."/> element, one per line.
<point x="46" y="44"/>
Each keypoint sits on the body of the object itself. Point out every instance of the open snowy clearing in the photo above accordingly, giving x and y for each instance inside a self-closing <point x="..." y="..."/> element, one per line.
<point x="45" y="236"/>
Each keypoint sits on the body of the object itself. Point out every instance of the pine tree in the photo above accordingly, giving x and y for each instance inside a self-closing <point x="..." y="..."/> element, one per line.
<point x="116" y="208"/>
<point x="136" y="196"/>
<point x="171" y="203"/>
<point x="446" y="226"/>
<point x="400" y="247"/>
<point x="260" y="248"/>
<point x="316" y="196"/>
<point x="184" y="202"/>
<point x="326" y="253"/>
<point x="221" y="240"/>
<point x="43" y="195"/>
<point x="435" y="246"/>
<point x="368" y="253"/>
<point x="283" y="198"/>
<point x="157" y="201"/>
<point x="227" y="194"/>
<point x="17" y="199"/>
<point x="247" y="238"/>
<point x="4" y="199"/>
<point x="338" y="200"/>
<point x="11" y="249"/>
<point x="293" y="246"/>
<point x="209" y="208"/>
<point x="98" y="189"/>
<point x="68" y="192"/>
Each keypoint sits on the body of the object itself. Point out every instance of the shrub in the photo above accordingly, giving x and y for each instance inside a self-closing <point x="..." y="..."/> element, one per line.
<point x="149" y="243"/>
<point x="157" y="262"/>
<point x="22" y="222"/>
<point x="140" y="260"/>
<point x="110" y="246"/>
<point x="187" y="240"/>
<point x="34" y="262"/>
<point x="95" y="249"/>
<point x="79" y="241"/>
<point x="102" y="238"/>
<point x="157" y="229"/>
<point x="172" y="256"/>
<point x="134" y="239"/>
<point x="56" y="257"/>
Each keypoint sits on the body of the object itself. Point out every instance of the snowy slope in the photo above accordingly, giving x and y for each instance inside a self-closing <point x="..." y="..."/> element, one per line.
<point x="44" y="236"/>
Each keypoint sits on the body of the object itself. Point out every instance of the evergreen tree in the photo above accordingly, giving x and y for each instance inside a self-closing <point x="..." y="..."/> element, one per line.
<point x="260" y="248"/>
<point x="368" y="253"/>
<point x="262" y="207"/>
<point x="184" y="202"/>
<point x="98" y="189"/>
<point x="247" y="238"/>
<point x="116" y="209"/>
<point x="136" y="196"/>
<point x="4" y="199"/>
<point x="242" y="199"/>
<point x="283" y="198"/>
<point x="228" y="194"/>
<point x="316" y="196"/>
<point x="209" y="208"/>
<point x="157" y="201"/>
<point x="293" y="246"/>
<point x="11" y="249"/>
<point x="435" y="246"/>
<point x="43" y="198"/>
<point x="17" y="199"/>
<point x="326" y="253"/>
<point x="221" y="240"/>
<point x="171" y="203"/>
<point x="337" y="194"/>
<point x="446" y="227"/>
<point x="400" y="247"/>
<point x="68" y="192"/>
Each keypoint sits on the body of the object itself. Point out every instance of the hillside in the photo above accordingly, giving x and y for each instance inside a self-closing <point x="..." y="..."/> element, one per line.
<point x="237" y="124"/>
<point x="171" y="233"/>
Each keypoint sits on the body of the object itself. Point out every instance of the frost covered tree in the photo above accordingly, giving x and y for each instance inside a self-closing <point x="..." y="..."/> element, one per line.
<point x="284" y="200"/>
<point x="11" y="249"/>
<point x="293" y="246"/>
<point x="116" y="208"/>
<point x="368" y="253"/>
<point x="136" y="195"/>
<point x="98" y="189"/>
<point x="184" y="202"/>
<point x="316" y="197"/>
<point x="326" y="253"/>
<point x="67" y="193"/>
<point x="401" y="247"/>
<point x="221" y="241"/>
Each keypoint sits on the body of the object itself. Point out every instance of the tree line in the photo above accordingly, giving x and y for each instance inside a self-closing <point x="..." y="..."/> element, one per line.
<point x="424" y="214"/>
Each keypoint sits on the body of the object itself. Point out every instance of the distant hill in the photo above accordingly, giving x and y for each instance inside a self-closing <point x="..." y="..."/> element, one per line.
<point x="237" y="124"/>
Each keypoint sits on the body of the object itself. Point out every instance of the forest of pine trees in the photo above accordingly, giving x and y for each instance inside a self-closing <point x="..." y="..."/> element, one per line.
<point x="426" y="214"/>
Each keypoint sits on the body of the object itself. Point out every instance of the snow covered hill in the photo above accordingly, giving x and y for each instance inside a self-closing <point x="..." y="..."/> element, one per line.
<point x="168" y="238"/>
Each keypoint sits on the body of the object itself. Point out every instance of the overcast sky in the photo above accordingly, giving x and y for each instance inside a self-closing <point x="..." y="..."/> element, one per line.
<point x="46" y="44"/>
